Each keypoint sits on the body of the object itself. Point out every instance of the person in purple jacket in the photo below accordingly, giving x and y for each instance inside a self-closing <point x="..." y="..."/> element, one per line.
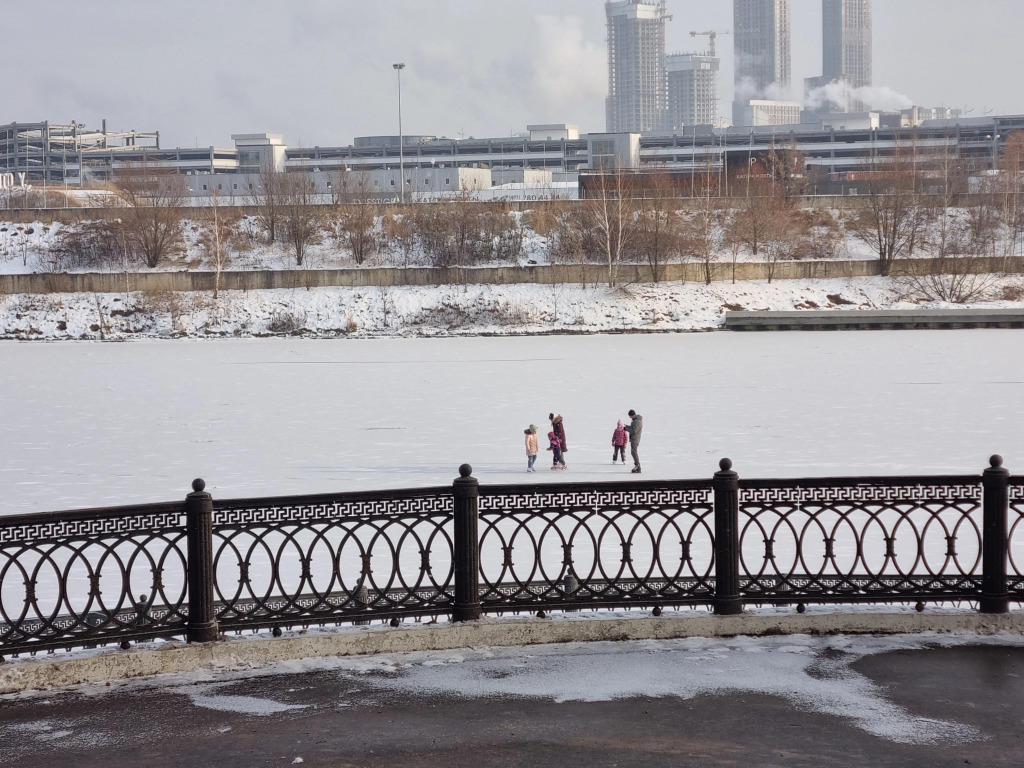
<point x="555" y="446"/>
<point x="558" y="427"/>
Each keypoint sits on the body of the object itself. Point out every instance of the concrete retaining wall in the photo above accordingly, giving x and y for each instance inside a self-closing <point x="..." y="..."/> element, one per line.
<point x="864" y="319"/>
<point x="90" y="667"/>
<point x="588" y="274"/>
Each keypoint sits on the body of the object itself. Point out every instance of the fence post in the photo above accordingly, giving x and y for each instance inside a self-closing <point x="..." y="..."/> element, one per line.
<point x="467" y="547"/>
<point x="728" y="601"/>
<point x="995" y="481"/>
<point x="202" y="619"/>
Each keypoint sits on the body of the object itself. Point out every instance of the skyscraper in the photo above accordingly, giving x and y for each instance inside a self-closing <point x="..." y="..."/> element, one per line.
<point x="637" y="94"/>
<point x="761" y="30"/>
<point x="846" y="59"/>
<point x="847" y="41"/>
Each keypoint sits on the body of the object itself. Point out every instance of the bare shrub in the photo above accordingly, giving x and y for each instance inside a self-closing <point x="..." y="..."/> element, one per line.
<point x="819" y="242"/>
<point x="1014" y="292"/>
<point x="398" y="236"/>
<point x="355" y="227"/>
<point x="574" y="238"/>
<point x="286" y="321"/>
<point x="953" y="279"/>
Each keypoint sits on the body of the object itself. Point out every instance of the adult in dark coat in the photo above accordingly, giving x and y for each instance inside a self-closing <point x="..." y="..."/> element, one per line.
<point x="558" y="427"/>
<point x="635" y="428"/>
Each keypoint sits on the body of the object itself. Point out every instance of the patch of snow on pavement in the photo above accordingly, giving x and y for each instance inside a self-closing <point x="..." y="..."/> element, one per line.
<point x="205" y="697"/>
<point x="806" y="671"/>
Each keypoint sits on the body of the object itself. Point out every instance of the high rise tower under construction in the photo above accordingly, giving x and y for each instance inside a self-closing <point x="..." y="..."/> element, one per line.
<point x="637" y="90"/>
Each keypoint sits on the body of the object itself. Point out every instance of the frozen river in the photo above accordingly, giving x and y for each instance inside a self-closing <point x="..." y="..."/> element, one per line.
<point x="95" y="424"/>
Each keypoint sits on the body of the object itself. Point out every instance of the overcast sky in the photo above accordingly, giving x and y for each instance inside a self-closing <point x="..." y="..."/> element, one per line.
<point x="319" y="71"/>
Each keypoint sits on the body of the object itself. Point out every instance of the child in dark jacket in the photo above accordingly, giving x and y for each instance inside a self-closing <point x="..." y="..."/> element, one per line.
<point x="555" y="445"/>
<point x="619" y="440"/>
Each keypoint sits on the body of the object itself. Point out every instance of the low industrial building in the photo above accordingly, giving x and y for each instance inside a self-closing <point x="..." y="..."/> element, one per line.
<point x="545" y="161"/>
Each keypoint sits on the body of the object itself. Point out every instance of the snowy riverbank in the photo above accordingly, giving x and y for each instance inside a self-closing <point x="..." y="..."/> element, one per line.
<point x="506" y="310"/>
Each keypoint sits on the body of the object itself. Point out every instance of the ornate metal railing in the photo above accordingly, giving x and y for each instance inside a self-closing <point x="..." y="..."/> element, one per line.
<point x="92" y="576"/>
<point x="1015" y="537"/>
<point x="200" y="567"/>
<point x="861" y="539"/>
<point x="319" y="559"/>
<point x="569" y="546"/>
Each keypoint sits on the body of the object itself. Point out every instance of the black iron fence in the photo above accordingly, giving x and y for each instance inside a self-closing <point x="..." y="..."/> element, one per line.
<point x="201" y="567"/>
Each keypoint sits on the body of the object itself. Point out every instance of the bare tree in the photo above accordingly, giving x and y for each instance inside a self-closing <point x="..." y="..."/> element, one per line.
<point x="574" y="239"/>
<point x="614" y="216"/>
<point x="786" y="166"/>
<point x="266" y="199"/>
<point x="355" y="215"/>
<point x="300" y="216"/>
<point x="890" y="218"/>
<point x="217" y="224"/>
<point x="950" y="275"/>
<point x="659" y="236"/>
<point x="705" y="234"/>
<point x="1011" y="189"/>
<point x="778" y="237"/>
<point x="152" y="219"/>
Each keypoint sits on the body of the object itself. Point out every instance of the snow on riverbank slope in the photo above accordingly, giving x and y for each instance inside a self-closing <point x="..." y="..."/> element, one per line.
<point x="439" y="310"/>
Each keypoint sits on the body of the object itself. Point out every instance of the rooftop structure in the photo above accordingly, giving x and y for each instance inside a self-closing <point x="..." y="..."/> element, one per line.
<point x="692" y="89"/>
<point x="758" y="112"/>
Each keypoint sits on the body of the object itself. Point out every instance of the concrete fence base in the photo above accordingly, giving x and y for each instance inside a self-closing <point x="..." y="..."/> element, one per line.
<point x="251" y="652"/>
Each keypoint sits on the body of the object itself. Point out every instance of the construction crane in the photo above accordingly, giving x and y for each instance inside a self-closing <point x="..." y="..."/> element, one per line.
<point x="711" y="34"/>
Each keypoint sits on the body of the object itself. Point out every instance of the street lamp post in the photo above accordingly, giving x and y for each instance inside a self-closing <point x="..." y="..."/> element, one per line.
<point x="401" y="139"/>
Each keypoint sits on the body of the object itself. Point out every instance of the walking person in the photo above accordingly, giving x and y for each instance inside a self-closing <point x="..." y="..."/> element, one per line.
<point x="555" y="446"/>
<point x="619" y="439"/>
<point x="636" y="426"/>
<point x="531" y="447"/>
<point x="558" y="427"/>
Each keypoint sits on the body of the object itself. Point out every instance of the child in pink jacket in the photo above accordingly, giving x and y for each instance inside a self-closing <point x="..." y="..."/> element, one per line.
<point x="555" y="445"/>
<point x="619" y="440"/>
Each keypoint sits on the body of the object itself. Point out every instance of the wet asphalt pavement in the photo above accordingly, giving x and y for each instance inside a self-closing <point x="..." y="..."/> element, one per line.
<point x="346" y="718"/>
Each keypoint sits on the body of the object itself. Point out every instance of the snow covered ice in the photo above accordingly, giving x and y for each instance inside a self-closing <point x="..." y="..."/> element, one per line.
<point x="93" y="424"/>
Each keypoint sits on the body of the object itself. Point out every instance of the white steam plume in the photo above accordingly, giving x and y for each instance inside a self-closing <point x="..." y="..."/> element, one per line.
<point x="567" y="68"/>
<point x="843" y="94"/>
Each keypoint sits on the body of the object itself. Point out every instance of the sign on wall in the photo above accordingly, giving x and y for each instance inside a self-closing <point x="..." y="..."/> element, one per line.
<point x="7" y="180"/>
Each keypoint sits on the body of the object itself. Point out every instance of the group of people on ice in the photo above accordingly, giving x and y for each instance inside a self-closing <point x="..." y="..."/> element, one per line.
<point x="558" y="446"/>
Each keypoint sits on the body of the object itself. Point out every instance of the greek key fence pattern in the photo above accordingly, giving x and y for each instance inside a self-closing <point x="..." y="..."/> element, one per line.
<point x="861" y="540"/>
<point x="1015" y="537"/>
<point x="316" y="560"/>
<point x="92" y="577"/>
<point x="574" y="546"/>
